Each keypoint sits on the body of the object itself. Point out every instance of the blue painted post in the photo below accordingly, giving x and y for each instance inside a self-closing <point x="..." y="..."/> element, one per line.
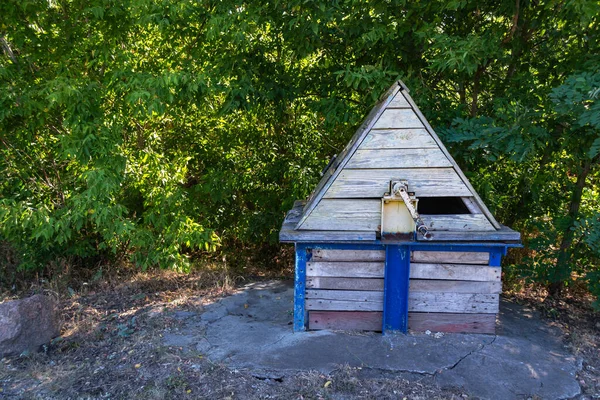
<point x="300" y="288"/>
<point x="496" y="257"/>
<point x="395" y="295"/>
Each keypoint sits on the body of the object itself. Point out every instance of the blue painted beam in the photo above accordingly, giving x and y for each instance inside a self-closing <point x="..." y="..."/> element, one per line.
<point x="300" y="288"/>
<point x="496" y="257"/>
<point x="395" y="295"/>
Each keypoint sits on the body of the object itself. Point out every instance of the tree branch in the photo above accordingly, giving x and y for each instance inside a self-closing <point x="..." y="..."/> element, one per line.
<point x="7" y="49"/>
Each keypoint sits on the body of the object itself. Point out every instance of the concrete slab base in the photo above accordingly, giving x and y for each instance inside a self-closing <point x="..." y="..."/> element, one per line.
<point x="252" y="329"/>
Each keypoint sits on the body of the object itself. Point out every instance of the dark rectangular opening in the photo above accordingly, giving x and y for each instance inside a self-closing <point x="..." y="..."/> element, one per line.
<point x="442" y="205"/>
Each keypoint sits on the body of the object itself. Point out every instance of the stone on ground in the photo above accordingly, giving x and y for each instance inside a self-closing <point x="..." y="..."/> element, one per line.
<point x="27" y="324"/>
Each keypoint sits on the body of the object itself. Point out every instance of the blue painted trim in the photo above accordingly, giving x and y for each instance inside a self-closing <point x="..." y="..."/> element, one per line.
<point x="395" y="295"/>
<point x="496" y="257"/>
<point x="300" y="288"/>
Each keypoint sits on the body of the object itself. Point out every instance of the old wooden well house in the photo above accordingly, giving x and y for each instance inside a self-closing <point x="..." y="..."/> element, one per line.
<point x="394" y="237"/>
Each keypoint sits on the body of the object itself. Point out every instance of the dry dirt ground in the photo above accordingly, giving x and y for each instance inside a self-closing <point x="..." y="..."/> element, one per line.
<point x="112" y="347"/>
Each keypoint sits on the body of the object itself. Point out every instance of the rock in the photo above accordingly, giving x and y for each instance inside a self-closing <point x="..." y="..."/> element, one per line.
<point x="27" y="324"/>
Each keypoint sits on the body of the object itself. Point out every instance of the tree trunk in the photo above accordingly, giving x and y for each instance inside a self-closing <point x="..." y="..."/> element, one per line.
<point x="562" y="267"/>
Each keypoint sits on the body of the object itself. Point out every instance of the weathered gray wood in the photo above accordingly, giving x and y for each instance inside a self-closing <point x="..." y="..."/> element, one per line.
<point x="344" y="283"/>
<point x="398" y="158"/>
<point x="425" y="123"/>
<point x="416" y="285"/>
<point x="417" y="302"/>
<point x="471" y="204"/>
<point x="398" y="139"/>
<point x="289" y="234"/>
<point x="452" y="302"/>
<point x="475" y="236"/>
<point x="345" y="215"/>
<point x="458" y="222"/>
<point x="349" y="295"/>
<point x="344" y="269"/>
<point x="398" y="118"/>
<point x="441" y="322"/>
<point x="458" y="272"/>
<point x="399" y="101"/>
<point x="346" y="320"/>
<point x="343" y="305"/>
<point x="374" y="183"/>
<point x="448" y="286"/>
<point x="332" y="173"/>
<point x="349" y="255"/>
<point x="293" y="216"/>
<point x="451" y="257"/>
<point x="365" y="215"/>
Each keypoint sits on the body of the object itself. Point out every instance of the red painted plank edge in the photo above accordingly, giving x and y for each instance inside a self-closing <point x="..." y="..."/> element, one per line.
<point x="417" y="322"/>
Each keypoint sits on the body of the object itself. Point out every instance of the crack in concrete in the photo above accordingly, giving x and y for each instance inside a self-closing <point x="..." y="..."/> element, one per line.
<point x="425" y="373"/>
<point x="283" y="336"/>
<point x="481" y="347"/>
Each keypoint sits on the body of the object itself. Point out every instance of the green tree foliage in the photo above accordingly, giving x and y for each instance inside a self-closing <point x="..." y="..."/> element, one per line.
<point x="154" y="129"/>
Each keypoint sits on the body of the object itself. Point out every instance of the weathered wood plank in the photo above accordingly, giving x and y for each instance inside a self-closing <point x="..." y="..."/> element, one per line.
<point x="452" y="302"/>
<point x="348" y="255"/>
<point x="440" y="322"/>
<point x="398" y="139"/>
<point x="416" y="285"/>
<point x="457" y="272"/>
<point x="373" y="183"/>
<point x="344" y="283"/>
<point x="417" y="322"/>
<point x="365" y="215"/>
<point x="398" y="158"/>
<point x="399" y="101"/>
<point x="293" y="216"/>
<point x="345" y="215"/>
<point x="345" y="269"/>
<point x="417" y="302"/>
<point x="343" y="305"/>
<point x="471" y="204"/>
<point x="448" y="286"/>
<point x="348" y="295"/>
<point x="288" y="233"/>
<point x="346" y="320"/>
<point x="458" y="222"/>
<point x="496" y="236"/>
<point x="398" y="118"/>
<point x="451" y="257"/>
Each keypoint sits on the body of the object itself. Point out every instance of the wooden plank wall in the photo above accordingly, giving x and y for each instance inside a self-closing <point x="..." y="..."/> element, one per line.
<point x="449" y="291"/>
<point x="398" y="146"/>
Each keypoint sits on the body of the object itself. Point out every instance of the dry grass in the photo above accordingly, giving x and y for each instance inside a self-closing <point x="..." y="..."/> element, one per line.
<point x="112" y="347"/>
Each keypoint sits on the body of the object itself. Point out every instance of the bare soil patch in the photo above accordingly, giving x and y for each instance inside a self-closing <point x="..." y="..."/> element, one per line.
<point x="112" y="347"/>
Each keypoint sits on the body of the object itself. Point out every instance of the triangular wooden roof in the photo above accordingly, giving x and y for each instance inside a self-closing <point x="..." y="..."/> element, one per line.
<point x="394" y="142"/>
